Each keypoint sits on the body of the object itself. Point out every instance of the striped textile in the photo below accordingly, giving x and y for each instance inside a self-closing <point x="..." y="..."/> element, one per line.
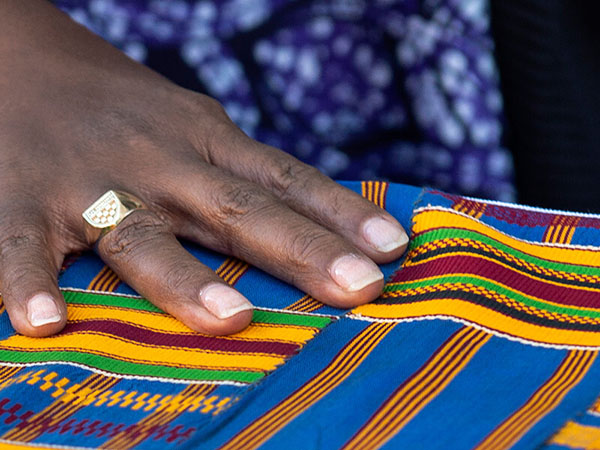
<point x="509" y="286"/>
<point x="486" y="337"/>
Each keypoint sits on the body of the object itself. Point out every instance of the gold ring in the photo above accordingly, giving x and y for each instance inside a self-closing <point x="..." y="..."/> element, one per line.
<point x="109" y="211"/>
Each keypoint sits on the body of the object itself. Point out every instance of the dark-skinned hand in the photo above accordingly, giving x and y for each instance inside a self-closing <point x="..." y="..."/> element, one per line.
<point x="78" y="117"/>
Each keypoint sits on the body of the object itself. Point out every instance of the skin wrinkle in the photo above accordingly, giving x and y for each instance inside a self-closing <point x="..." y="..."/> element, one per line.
<point x="94" y="120"/>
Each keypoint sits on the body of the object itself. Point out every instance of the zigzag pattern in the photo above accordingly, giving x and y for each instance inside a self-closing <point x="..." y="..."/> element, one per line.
<point x="65" y="390"/>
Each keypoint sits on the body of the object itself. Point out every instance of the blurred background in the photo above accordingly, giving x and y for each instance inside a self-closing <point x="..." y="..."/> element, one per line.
<point x="494" y="99"/>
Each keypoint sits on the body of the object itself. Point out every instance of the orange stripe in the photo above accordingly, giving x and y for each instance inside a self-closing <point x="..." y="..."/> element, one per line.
<point x="340" y="367"/>
<point x="576" y="435"/>
<point x="383" y="194"/>
<point x="305" y="304"/>
<point x="420" y="389"/>
<point x="99" y="276"/>
<point x="231" y="270"/>
<point x="312" y="307"/>
<point x="7" y="372"/>
<point x="226" y="266"/>
<point x="375" y="191"/>
<point x="162" y="416"/>
<point x="115" y="284"/>
<point x="299" y="303"/>
<point x="58" y="410"/>
<point x="111" y="280"/>
<point x="61" y="410"/>
<point x="568" y="374"/>
<point x="234" y="277"/>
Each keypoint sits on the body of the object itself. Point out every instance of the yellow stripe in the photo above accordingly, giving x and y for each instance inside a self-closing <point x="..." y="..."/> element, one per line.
<point x="14" y="446"/>
<point x="97" y="344"/>
<point x="99" y="276"/>
<point x="164" y="323"/>
<point x="235" y="276"/>
<point x="231" y="270"/>
<point x="305" y="304"/>
<point x="299" y="303"/>
<point x="431" y="219"/>
<point x="376" y="188"/>
<point x="382" y="193"/>
<point x="129" y="438"/>
<point x="569" y="237"/>
<point x="479" y="315"/>
<point x="495" y="296"/>
<point x="424" y="385"/>
<point x="56" y="411"/>
<point x="353" y="354"/>
<point x="311" y="307"/>
<point x="495" y="261"/>
<point x="226" y="265"/>
<point x="543" y="401"/>
<point x="575" y="435"/>
<point x="113" y="283"/>
<point x="562" y="239"/>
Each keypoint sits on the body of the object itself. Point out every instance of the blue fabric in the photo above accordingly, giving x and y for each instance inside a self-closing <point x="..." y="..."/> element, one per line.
<point x="361" y="361"/>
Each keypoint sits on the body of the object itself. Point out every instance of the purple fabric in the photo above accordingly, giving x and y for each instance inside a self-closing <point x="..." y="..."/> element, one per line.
<point x="402" y="90"/>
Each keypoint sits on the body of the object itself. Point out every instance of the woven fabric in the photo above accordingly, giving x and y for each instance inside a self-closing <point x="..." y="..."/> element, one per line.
<point x="486" y="336"/>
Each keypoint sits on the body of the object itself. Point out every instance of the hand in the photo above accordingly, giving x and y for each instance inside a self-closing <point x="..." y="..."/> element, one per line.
<point x="78" y="118"/>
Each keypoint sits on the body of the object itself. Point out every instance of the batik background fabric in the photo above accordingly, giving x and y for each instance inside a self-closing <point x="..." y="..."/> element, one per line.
<point x="402" y="90"/>
<point x="486" y="336"/>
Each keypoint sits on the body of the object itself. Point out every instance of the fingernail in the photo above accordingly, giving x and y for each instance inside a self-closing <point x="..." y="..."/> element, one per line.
<point x="223" y="301"/>
<point x="42" y="310"/>
<point x="352" y="273"/>
<point x="384" y="235"/>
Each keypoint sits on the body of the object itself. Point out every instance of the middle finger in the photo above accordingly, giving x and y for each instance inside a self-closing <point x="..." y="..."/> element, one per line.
<point x="240" y="218"/>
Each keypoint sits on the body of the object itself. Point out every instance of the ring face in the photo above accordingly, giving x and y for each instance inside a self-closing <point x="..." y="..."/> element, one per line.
<point x="108" y="211"/>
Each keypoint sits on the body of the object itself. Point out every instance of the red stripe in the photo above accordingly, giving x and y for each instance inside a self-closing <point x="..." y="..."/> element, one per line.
<point x="144" y="336"/>
<point x="475" y="265"/>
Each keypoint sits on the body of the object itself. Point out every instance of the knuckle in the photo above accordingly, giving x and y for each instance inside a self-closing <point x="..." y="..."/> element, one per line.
<point x="135" y="232"/>
<point x="213" y="107"/>
<point x="290" y="177"/>
<point x="178" y="278"/>
<point x="215" y="126"/>
<point x="304" y="247"/>
<point x="16" y="239"/>
<point x="17" y="276"/>
<point x="237" y="203"/>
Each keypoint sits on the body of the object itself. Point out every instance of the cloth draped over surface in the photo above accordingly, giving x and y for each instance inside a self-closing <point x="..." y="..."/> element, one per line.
<point x="486" y="336"/>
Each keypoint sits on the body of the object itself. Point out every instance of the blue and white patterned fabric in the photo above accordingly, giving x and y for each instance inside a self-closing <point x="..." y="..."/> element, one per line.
<point x="401" y="90"/>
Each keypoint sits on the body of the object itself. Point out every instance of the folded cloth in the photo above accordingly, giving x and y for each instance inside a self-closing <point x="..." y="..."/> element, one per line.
<point x="486" y="336"/>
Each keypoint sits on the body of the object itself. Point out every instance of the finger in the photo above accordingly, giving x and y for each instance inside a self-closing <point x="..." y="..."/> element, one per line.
<point x="308" y="191"/>
<point x="240" y="218"/>
<point x="147" y="256"/>
<point x="28" y="279"/>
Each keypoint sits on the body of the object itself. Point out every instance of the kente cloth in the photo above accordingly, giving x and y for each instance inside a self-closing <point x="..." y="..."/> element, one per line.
<point x="401" y="90"/>
<point x="486" y="336"/>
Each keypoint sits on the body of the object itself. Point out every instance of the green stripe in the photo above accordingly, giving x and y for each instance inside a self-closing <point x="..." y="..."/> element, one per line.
<point x="128" y="368"/>
<point x="452" y="233"/>
<point x="89" y="298"/>
<point x="488" y="284"/>
<point x="140" y="304"/>
<point x="261" y="316"/>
